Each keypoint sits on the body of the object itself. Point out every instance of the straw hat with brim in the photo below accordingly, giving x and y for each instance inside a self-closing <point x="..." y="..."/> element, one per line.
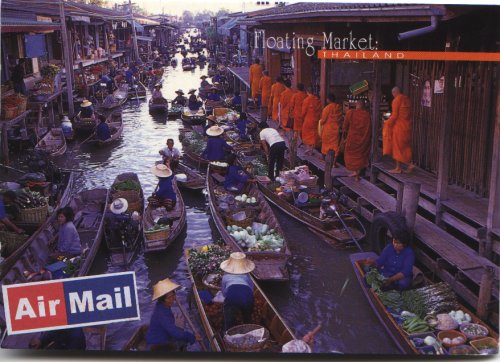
<point x="203" y="77"/>
<point x="161" y="170"/>
<point x="86" y="103"/>
<point x="179" y="91"/>
<point x="215" y="131"/>
<point x="119" y="206"/>
<point x="212" y="118"/>
<point x="163" y="287"/>
<point x="237" y="264"/>
<point x="192" y="91"/>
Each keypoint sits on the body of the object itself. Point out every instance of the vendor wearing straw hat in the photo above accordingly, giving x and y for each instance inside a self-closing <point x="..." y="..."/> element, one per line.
<point x="215" y="145"/>
<point x="164" y="193"/>
<point x="193" y="103"/>
<point x="163" y="334"/>
<point x="213" y="95"/>
<point x="204" y="83"/>
<point x="237" y="289"/>
<point x="180" y="100"/>
<point x="211" y="121"/>
<point x="86" y="109"/>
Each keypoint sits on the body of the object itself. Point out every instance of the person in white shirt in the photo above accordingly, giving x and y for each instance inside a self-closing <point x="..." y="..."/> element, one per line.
<point x="274" y="147"/>
<point x="170" y="154"/>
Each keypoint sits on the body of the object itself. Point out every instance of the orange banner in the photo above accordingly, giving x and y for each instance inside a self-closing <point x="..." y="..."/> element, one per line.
<point x="406" y="55"/>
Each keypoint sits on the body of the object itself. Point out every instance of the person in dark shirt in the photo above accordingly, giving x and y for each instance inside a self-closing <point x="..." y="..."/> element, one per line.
<point x="18" y="74"/>
<point x="213" y="95"/>
<point x="396" y="262"/>
<point x="65" y="339"/>
<point x="215" y="145"/>
<point x="86" y="109"/>
<point x="236" y="100"/>
<point x="163" y="334"/>
<point x="204" y="83"/>
<point x="236" y="179"/>
<point x="102" y="131"/>
<point x="165" y="191"/>
<point x="242" y="126"/>
<point x="108" y="81"/>
<point x="193" y="103"/>
<point x="180" y="100"/>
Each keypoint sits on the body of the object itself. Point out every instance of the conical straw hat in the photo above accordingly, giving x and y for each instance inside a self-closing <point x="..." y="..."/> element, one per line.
<point x="237" y="264"/>
<point x="163" y="287"/>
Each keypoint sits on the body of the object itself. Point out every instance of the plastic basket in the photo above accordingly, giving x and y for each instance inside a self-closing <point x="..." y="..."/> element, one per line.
<point x="359" y="87"/>
<point x="247" y="347"/>
<point x="35" y="215"/>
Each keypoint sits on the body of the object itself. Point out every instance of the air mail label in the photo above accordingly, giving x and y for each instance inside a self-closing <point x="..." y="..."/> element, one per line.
<point x="70" y="303"/>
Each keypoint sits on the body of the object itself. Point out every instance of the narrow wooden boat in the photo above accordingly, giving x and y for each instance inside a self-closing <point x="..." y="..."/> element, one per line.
<point x="158" y="107"/>
<point x="279" y="331"/>
<point x="121" y="232"/>
<point x="162" y="239"/>
<point x="270" y="265"/>
<point x="120" y="97"/>
<point x="64" y="186"/>
<point x="329" y="229"/>
<point x="137" y="91"/>
<point x="137" y="341"/>
<point x="195" y="180"/>
<point x="188" y="67"/>
<point x="195" y="117"/>
<point x="189" y="155"/>
<point x="33" y="263"/>
<point x="388" y="320"/>
<point x="175" y="110"/>
<point x="115" y="123"/>
<point x="85" y="126"/>
<point x="53" y="142"/>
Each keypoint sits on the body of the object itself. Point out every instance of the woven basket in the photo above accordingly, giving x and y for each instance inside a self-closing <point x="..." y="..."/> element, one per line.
<point x="157" y="235"/>
<point x="11" y="242"/>
<point x="35" y="216"/>
<point x="242" y="329"/>
<point x="243" y="223"/>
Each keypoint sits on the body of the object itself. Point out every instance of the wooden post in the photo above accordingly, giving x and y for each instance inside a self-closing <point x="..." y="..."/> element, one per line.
<point x="485" y="243"/>
<point x="411" y="194"/>
<point x="450" y="70"/>
<point x="67" y="46"/>
<point x="485" y="292"/>
<point x="328" y="170"/>
<point x="493" y="218"/>
<point x="292" y="152"/>
<point x="50" y="109"/>
<point x="5" y="144"/>
<point x="134" y="35"/>
<point x="84" y="79"/>
<point x="322" y="82"/>
<point x="399" y="198"/>
<point x="375" y="104"/>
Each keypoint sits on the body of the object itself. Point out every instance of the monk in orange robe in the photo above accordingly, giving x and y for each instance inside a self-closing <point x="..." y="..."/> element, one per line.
<point x="311" y="114"/>
<point x="329" y="127"/>
<point x="255" y="75"/>
<point x="265" y="91"/>
<point x="274" y="100"/>
<point x="285" y="104"/>
<point x="296" y="109"/>
<point x="358" y="126"/>
<point x="396" y="134"/>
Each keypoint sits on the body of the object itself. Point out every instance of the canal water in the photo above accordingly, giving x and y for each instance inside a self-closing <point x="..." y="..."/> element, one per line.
<point x="323" y="288"/>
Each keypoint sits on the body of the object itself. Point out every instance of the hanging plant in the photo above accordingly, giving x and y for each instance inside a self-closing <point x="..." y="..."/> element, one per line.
<point x="49" y="70"/>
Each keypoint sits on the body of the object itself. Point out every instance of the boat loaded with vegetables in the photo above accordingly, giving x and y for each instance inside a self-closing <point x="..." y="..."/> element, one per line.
<point x="297" y="193"/>
<point x="205" y="273"/>
<point x="35" y="264"/>
<point x="193" y="145"/>
<point x="162" y="227"/>
<point x="247" y="223"/>
<point x="424" y="320"/>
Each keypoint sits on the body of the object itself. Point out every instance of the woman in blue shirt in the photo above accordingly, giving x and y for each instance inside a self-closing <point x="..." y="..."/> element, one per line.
<point x="163" y="334"/>
<point x="242" y="126"/>
<point x="237" y="289"/>
<point x="68" y="243"/>
<point x="215" y="145"/>
<point x="236" y="178"/>
<point x="164" y="191"/>
<point x="396" y="263"/>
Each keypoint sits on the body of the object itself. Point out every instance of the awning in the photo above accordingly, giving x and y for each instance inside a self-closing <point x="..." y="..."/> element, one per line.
<point x="225" y="29"/>
<point x="280" y="47"/>
<point x="144" y="38"/>
<point x="138" y="27"/>
<point x="16" y="25"/>
<point x="84" y="19"/>
<point x="146" y="21"/>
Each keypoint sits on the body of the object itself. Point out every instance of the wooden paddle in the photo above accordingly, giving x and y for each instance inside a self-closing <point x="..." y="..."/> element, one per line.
<point x="88" y="138"/>
<point x="191" y="325"/>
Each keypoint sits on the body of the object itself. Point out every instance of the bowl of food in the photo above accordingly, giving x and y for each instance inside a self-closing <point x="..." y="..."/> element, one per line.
<point x="473" y="330"/>
<point x="451" y="338"/>
<point x="461" y="350"/>
<point x="485" y="346"/>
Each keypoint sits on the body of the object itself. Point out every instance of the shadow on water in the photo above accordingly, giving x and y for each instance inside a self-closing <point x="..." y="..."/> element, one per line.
<point x="318" y="272"/>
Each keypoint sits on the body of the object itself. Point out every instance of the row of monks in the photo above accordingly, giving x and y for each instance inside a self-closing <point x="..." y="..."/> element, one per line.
<point x="300" y="110"/>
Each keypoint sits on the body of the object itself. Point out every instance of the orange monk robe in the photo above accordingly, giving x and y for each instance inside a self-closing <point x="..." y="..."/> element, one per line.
<point x="311" y="113"/>
<point x="296" y="110"/>
<point x="285" y="104"/>
<point x="274" y="100"/>
<point x="358" y="126"/>
<point x="330" y="124"/>
<point x="255" y="75"/>
<point x="396" y="133"/>
<point x="265" y="89"/>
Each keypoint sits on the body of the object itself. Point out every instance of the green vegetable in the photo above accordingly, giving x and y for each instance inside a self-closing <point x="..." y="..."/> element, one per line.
<point x="126" y="186"/>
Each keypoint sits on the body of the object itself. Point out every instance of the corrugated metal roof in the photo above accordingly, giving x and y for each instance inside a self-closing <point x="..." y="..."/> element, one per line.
<point x="10" y="24"/>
